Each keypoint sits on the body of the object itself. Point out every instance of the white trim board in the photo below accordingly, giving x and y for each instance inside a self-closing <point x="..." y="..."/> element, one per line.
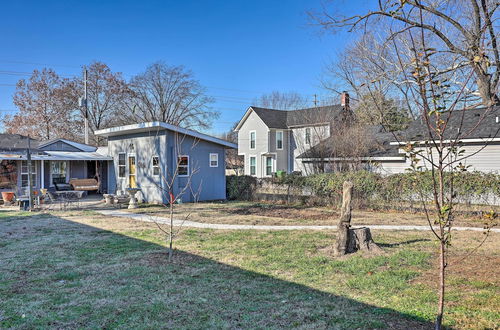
<point x="479" y="140"/>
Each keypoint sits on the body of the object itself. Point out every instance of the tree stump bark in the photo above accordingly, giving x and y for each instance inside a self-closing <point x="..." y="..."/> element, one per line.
<point x="351" y="240"/>
<point x="345" y="220"/>
<point x="360" y="239"/>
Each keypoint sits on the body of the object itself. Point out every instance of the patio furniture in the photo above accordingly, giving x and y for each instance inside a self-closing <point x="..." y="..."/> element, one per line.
<point x="24" y="203"/>
<point x="65" y="199"/>
<point x="55" y="199"/>
<point x="62" y="186"/>
<point x="70" y="197"/>
<point x="84" y="184"/>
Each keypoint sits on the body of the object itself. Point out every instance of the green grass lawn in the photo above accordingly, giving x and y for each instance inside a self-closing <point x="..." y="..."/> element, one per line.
<point x="85" y="270"/>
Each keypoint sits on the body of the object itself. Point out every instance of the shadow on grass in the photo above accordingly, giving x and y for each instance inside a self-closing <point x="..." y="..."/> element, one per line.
<point x="391" y="245"/>
<point x="58" y="273"/>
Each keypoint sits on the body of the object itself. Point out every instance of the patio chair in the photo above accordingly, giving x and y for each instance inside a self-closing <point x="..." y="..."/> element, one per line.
<point x="54" y="200"/>
<point x="72" y="198"/>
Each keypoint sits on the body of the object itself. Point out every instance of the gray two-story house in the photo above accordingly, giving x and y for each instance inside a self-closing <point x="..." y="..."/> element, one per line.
<point x="271" y="140"/>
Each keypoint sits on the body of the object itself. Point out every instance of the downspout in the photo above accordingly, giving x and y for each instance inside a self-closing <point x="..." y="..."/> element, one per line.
<point x="290" y="156"/>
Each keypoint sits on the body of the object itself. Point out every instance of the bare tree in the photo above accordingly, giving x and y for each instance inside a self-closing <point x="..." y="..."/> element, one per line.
<point x="394" y="116"/>
<point x="45" y="111"/>
<point x="282" y="101"/>
<point x="328" y="138"/>
<point x="444" y="52"/>
<point x="107" y="93"/>
<point x="174" y="192"/>
<point x="170" y="94"/>
<point x="461" y="34"/>
<point x="234" y="161"/>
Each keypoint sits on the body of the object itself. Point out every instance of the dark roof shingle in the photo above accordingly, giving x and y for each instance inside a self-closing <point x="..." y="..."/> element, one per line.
<point x="289" y="118"/>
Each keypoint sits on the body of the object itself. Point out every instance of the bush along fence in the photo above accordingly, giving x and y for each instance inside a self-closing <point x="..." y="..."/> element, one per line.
<point x="371" y="190"/>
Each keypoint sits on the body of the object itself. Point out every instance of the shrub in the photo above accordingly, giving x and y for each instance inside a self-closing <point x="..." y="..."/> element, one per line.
<point x="371" y="190"/>
<point x="240" y="187"/>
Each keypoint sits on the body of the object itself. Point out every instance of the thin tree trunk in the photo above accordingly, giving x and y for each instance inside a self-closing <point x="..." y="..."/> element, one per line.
<point x="442" y="266"/>
<point x="171" y="233"/>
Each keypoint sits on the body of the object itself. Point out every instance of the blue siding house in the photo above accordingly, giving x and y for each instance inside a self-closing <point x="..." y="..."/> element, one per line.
<point x="162" y="159"/>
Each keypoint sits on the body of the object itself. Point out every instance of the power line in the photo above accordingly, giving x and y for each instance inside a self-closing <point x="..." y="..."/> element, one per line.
<point x="21" y="73"/>
<point x="35" y="63"/>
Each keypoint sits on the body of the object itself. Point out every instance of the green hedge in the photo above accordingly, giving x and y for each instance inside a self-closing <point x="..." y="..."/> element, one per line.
<point x="374" y="190"/>
<point x="240" y="187"/>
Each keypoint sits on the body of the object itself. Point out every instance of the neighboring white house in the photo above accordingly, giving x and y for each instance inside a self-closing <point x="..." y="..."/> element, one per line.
<point x="275" y="140"/>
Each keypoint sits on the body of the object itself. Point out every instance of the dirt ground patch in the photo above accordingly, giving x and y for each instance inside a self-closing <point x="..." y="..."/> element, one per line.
<point x="284" y="212"/>
<point x="250" y="213"/>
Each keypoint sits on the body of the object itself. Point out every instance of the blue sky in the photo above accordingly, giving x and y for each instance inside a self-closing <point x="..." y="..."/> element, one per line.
<point x="237" y="49"/>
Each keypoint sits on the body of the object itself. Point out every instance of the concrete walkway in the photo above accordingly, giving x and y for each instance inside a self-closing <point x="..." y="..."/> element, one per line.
<point x="193" y="224"/>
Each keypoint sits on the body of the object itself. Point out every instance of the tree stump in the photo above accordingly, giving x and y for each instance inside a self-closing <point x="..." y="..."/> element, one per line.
<point x="351" y="240"/>
<point x="361" y="239"/>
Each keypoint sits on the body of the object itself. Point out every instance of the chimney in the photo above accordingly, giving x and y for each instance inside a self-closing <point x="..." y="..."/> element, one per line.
<point x="344" y="100"/>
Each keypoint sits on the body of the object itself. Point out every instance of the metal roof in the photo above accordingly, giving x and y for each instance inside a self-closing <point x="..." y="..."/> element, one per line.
<point x="80" y="146"/>
<point x="57" y="155"/>
<point x="149" y="126"/>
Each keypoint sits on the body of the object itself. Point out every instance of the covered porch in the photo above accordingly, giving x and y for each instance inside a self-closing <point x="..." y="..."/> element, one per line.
<point x="53" y="170"/>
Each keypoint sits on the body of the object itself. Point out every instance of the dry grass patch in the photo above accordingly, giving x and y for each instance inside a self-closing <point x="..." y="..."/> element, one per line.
<point x="250" y="213"/>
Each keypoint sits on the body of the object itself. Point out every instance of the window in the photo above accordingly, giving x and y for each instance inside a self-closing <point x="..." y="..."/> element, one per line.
<point x="8" y="174"/>
<point x="214" y="160"/>
<point x="269" y="165"/>
<point x="308" y="135"/>
<point x="252" y="139"/>
<point x="24" y="173"/>
<point x="183" y="165"/>
<point x="156" y="165"/>
<point x="279" y="140"/>
<point x="58" y="171"/>
<point x="121" y="165"/>
<point x="253" y="166"/>
<point x="132" y="170"/>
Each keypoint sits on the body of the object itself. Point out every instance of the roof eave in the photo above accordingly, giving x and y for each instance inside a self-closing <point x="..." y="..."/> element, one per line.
<point x="121" y="130"/>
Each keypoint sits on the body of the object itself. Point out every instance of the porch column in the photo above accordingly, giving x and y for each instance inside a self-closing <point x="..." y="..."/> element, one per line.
<point x="42" y="174"/>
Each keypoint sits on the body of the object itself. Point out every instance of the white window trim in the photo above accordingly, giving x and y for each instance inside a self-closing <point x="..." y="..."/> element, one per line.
<point x="188" y="166"/>
<point x="118" y="164"/>
<point x="153" y="166"/>
<point x="50" y="171"/>
<point x="27" y="173"/>
<point x="210" y="159"/>
<point x="250" y="140"/>
<point x="282" y="138"/>
<point x="250" y="165"/>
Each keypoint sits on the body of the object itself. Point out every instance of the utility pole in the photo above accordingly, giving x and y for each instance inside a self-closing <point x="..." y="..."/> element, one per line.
<point x="30" y="183"/>
<point x="85" y="105"/>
